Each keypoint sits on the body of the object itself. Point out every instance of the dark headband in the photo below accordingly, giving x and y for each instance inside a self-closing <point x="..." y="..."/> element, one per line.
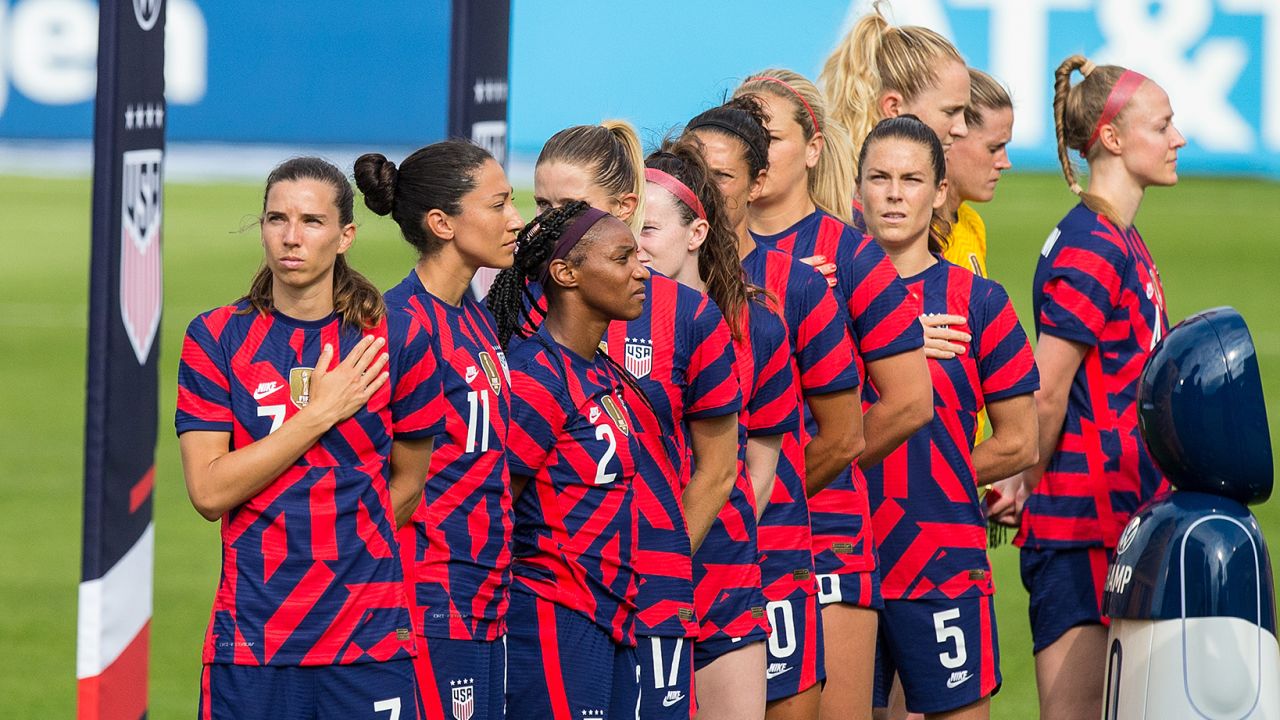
<point x="571" y="236"/>
<point x="722" y="125"/>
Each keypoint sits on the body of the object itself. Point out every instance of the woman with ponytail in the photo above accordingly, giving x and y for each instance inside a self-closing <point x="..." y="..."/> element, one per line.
<point x="1100" y="309"/>
<point x="808" y="152"/>
<point x="680" y="352"/>
<point x="735" y="143"/>
<point x="879" y="70"/>
<point x="572" y="451"/>
<point x="455" y="207"/>
<point x="688" y="237"/>
<point x="306" y="417"/>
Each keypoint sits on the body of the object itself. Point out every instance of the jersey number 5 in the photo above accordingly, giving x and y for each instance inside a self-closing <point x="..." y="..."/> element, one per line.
<point x="944" y="633"/>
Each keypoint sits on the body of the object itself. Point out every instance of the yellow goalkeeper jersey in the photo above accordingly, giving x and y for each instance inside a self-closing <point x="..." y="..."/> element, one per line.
<point x="967" y="246"/>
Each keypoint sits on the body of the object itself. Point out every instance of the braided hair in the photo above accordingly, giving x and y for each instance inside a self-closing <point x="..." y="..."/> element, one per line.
<point x="509" y="297"/>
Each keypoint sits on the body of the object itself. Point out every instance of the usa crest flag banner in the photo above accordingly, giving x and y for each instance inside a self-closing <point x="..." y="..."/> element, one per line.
<point x="478" y="71"/>
<point x="125" y="299"/>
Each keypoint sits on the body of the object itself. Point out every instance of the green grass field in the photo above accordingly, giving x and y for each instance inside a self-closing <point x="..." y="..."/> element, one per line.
<point x="1206" y="260"/>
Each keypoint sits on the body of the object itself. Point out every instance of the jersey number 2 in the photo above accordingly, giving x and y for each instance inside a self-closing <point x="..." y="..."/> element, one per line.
<point x="604" y="432"/>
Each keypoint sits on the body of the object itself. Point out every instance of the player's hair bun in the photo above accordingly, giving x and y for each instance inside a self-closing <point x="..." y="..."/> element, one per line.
<point x="376" y="178"/>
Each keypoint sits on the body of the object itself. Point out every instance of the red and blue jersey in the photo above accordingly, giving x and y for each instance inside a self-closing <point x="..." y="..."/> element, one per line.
<point x="311" y="572"/>
<point x="729" y="596"/>
<point x="929" y="528"/>
<point x="822" y="363"/>
<point x="460" y="536"/>
<point x="571" y="435"/>
<point x="883" y="321"/>
<point x="1097" y="285"/>
<point x="681" y="353"/>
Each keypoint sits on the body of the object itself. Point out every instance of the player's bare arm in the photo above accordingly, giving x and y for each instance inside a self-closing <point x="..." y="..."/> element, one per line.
<point x="715" y="445"/>
<point x="905" y="404"/>
<point x="410" y="462"/>
<point x="219" y="479"/>
<point x="839" y="438"/>
<point x="762" y="468"/>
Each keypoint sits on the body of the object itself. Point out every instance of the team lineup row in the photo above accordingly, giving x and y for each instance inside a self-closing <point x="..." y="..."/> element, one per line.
<point x="727" y="435"/>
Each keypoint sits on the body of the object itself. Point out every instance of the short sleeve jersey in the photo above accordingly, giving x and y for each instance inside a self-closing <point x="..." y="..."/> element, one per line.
<point x="728" y="596"/>
<point x="460" y="536"/>
<point x="571" y="434"/>
<point x="822" y="363"/>
<point x="680" y="351"/>
<point x="884" y="321"/>
<point x="929" y="527"/>
<point x="1097" y="285"/>
<point x="967" y="244"/>
<point x="311" y="572"/>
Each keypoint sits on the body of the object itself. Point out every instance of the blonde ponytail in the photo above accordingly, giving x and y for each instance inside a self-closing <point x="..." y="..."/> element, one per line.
<point x="625" y="133"/>
<point x="875" y="57"/>
<point x="831" y="181"/>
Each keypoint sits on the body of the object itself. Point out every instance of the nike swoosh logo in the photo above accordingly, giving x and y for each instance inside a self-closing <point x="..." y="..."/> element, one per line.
<point x="953" y="683"/>
<point x="668" y="701"/>
<point x="771" y="674"/>
<point x="266" y="390"/>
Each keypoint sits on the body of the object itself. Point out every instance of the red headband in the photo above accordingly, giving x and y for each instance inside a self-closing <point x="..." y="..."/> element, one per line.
<point x="1119" y="96"/>
<point x="767" y="78"/>
<point x="672" y="184"/>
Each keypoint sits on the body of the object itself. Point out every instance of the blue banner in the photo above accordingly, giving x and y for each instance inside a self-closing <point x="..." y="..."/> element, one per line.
<point x="323" y="71"/>
<point x="377" y="73"/>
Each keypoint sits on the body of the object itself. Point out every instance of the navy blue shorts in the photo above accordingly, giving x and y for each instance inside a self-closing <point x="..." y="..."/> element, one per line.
<point x="564" y="666"/>
<point x="946" y="652"/>
<point x="461" y="678"/>
<point x="861" y="589"/>
<point x="377" y="691"/>
<point x="795" y="649"/>
<point x="1066" y="590"/>
<point x="666" y="677"/>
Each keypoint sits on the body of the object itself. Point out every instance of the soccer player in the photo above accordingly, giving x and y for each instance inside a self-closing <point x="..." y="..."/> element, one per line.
<point x="306" y="417"/>
<point x="572" y="451"/>
<point x="680" y="351"/>
<point x="1100" y="309"/>
<point x="974" y="164"/>
<point x="454" y="205"/>
<point x="735" y="144"/>
<point x="916" y="71"/>
<point x="690" y="236"/>
<point x="938" y="630"/>
<point x="810" y="178"/>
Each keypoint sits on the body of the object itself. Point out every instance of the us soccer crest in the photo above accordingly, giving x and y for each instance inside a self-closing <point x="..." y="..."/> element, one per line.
<point x="300" y="385"/>
<point x="491" y="372"/>
<point x="638" y="356"/>
<point x="616" y="413"/>
<point x="463" y="694"/>
<point x="141" y="279"/>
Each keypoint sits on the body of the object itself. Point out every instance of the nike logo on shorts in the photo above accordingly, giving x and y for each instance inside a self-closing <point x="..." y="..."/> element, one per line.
<point x="673" y="697"/>
<point x="776" y="669"/>
<point x="958" y="678"/>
